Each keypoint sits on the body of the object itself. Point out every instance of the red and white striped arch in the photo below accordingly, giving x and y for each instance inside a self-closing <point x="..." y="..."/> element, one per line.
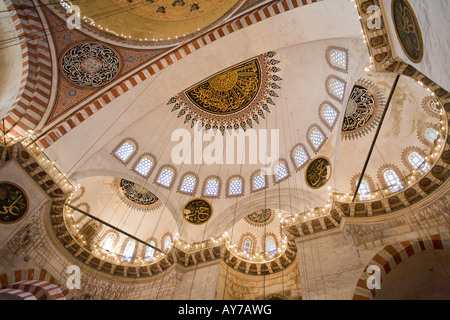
<point x="31" y="284"/>
<point x="391" y="256"/>
<point x="35" y="89"/>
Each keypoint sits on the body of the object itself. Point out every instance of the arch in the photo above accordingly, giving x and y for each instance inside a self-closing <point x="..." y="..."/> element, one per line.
<point x="34" y="93"/>
<point x="167" y="241"/>
<point x="166" y="176"/>
<point x="28" y="283"/>
<point x="414" y="159"/>
<point x="391" y="256"/>
<point x="382" y="175"/>
<point x="109" y="234"/>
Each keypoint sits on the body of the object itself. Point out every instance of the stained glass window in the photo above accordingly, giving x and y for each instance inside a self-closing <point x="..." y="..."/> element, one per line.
<point x="108" y="241"/>
<point x="271" y="247"/>
<point x="418" y="162"/>
<point x="247" y="245"/>
<point x="431" y="135"/>
<point x="167" y="242"/>
<point x="149" y="251"/>
<point x="392" y="180"/>
<point x="364" y="190"/>
<point x="129" y="250"/>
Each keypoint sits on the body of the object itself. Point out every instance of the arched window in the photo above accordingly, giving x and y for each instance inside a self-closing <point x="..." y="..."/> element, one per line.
<point x="337" y="58"/>
<point x="364" y="190"/>
<point x="129" y="250"/>
<point x="247" y="245"/>
<point x="431" y="135"/>
<point x="165" y="177"/>
<point x="144" y="166"/>
<point x="392" y="180"/>
<point x="235" y="187"/>
<point x="336" y="88"/>
<point x="149" y="251"/>
<point x="188" y="184"/>
<point x="316" y="138"/>
<point x="109" y="241"/>
<point x="418" y="162"/>
<point x="259" y="182"/>
<point x="167" y="242"/>
<point x="212" y="187"/>
<point x="328" y="115"/>
<point x="271" y="247"/>
<point x="281" y="171"/>
<point x="125" y="151"/>
<point x="300" y="157"/>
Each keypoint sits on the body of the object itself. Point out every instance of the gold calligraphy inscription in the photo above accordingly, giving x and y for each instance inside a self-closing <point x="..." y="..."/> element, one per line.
<point x="408" y="30"/>
<point x="318" y="173"/>
<point x="230" y="91"/>
<point x="197" y="211"/>
<point x="13" y="202"/>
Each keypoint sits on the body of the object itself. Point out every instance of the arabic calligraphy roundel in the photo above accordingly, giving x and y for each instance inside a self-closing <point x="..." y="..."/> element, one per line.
<point x="318" y="173"/>
<point x="90" y="64"/>
<point x="13" y="202"/>
<point x="408" y="30"/>
<point x="197" y="211"/>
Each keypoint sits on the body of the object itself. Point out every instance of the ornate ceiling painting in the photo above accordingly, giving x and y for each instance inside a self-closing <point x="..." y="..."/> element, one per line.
<point x="86" y="66"/>
<point x="364" y="109"/>
<point x="136" y="196"/>
<point x="235" y="98"/>
<point x="260" y="218"/>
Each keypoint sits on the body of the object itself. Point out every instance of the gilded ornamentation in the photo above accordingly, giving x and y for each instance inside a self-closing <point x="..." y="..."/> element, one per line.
<point x="318" y="172"/>
<point x="235" y="98"/>
<point x="13" y="202"/>
<point x="136" y="196"/>
<point x="408" y="30"/>
<point x="260" y="218"/>
<point x="197" y="211"/>
<point x="363" y="111"/>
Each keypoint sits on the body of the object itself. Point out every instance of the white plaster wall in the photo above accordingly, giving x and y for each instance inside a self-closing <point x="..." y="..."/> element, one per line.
<point x="199" y="283"/>
<point x="434" y="24"/>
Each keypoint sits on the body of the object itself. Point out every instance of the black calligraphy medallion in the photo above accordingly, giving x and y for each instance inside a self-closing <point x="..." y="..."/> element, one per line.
<point x="13" y="202"/>
<point x="90" y="64"/>
<point x="318" y="173"/>
<point x="408" y="30"/>
<point x="197" y="211"/>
